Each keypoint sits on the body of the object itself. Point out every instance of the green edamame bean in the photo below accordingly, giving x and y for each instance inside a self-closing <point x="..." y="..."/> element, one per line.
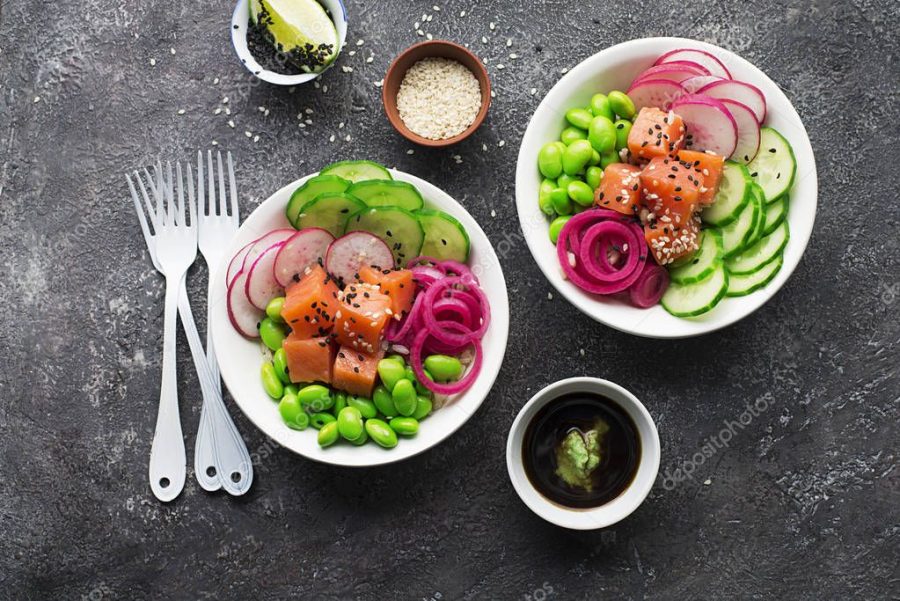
<point x="271" y="384"/>
<point x="395" y="357"/>
<point x="547" y="186"/>
<point x="404" y="397"/>
<point x="593" y="176"/>
<point x="581" y="193"/>
<point x="390" y="371"/>
<point x="550" y="160"/>
<point x="365" y="406"/>
<point x="420" y="388"/>
<point x="316" y="398"/>
<point x="577" y="156"/>
<point x="623" y="128"/>
<point x="571" y="134"/>
<point x="279" y="360"/>
<point x="292" y="413"/>
<point x="560" y="200"/>
<point x="602" y="134"/>
<point x="595" y="157"/>
<point x="350" y="423"/>
<point x="556" y="227"/>
<point x="273" y="309"/>
<point x="580" y="118"/>
<point x="340" y="401"/>
<point x="363" y="439"/>
<point x="600" y="107"/>
<point x="443" y="368"/>
<point x="423" y="408"/>
<point x="291" y="389"/>
<point x="405" y="426"/>
<point x="564" y="180"/>
<point x="608" y="158"/>
<point x="383" y="401"/>
<point x="271" y="333"/>
<point x="320" y="420"/>
<point x="328" y="434"/>
<point x="381" y="433"/>
<point x="621" y="104"/>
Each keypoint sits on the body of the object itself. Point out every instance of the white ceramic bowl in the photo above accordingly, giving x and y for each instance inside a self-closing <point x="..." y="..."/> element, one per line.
<point x="240" y="359"/>
<point x="620" y="507"/>
<point x="239" y="24"/>
<point x="612" y="69"/>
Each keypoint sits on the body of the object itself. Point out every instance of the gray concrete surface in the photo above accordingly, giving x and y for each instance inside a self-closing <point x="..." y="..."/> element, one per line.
<point x="802" y="504"/>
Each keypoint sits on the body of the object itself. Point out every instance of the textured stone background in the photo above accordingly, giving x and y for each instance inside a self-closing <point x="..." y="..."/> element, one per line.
<point x="803" y="503"/>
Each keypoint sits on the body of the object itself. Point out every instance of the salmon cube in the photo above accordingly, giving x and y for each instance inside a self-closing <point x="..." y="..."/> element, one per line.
<point x="396" y="284"/>
<point x="655" y="133"/>
<point x="669" y="241"/>
<point x="361" y="318"/>
<point x="310" y="304"/>
<point x="620" y="189"/>
<point x="355" y="372"/>
<point x="670" y="188"/>
<point x="309" y="359"/>
<point x="708" y="167"/>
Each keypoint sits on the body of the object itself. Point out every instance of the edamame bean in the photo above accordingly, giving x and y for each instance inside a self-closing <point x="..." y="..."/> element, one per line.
<point x="291" y="389"/>
<point x="365" y="406"/>
<point x="560" y="200"/>
<point x="404" y="397"/>
<point x="350" y="423"/>
<point x="363" y="439"/>
<point x="593" y="176"/>
<point x="608" y="158"/>
<point x="600" y="107"/>
<point x="383" y="401"/>
<point x="420" y="388"/>
<point x="623" y="128"/>
<point x="292" y="413"/>
<point x="580" y="118"/>
<point x="271" y="333"/>
<point x="595" y="157"/>
<point x="328" y="434"/>
<point x="621" y="104"/>
<point x="547" y="186"/>
<point x="315" y="398"/>
<point x="564" y="180"/>
<point x="381" y="433"/>
<point x="581" y="193"/>
<point x="396" y="357"/>
<point x="405" y="426"/>
<point x="577" y="156"/>
<point x="273" y="309"/>
<point x="390" y="371"/>
<point x="444" y="368"/>
<point x="340" y="401"/>
<point x="271" y="384"/>
<point x="556" y="227"/>
<point x="423" y="408"/>
<point x="279" y="360"/>
<point x="550" y="160"/>
<point x="571" y="134"/>
<point x="602" y="134"/>
<point x="320" y="420"/>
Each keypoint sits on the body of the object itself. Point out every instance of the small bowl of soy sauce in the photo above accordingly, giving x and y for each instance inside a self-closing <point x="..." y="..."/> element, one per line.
<point x="583" y="453"/>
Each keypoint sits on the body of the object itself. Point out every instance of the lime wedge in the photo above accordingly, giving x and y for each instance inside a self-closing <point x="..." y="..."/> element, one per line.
<point x="299" y="28"/>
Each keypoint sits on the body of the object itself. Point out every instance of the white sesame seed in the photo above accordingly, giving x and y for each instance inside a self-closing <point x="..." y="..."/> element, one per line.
<point x="218" y="111"/>
<point x="360" y="42"/>
<point x="180" y="111"/>
<point x="215" y="143"/>
<point x="420" y="32"/>
<point x="256" y="138"/>
<point x="513" y="56"/>
<point x="352" y="53"/>
<point x="533" y="91"/>
<point x="483" y="39"/>
<point x="484" y="147"/>
<point x="348" y="137"/>
<point x="564" y="70"/>
<point x="410" y="151"/>
<point x="501" y="143"/>
<point x="549" y="296"/>
<point x="216" y="81"/>
<point x="370" y="59"/>
<point x="172" y="50"/>
<point x="492" y="25"/>
<point x="416" y="25"/>
<point x="331" y="138"/>
<point x="227" y="111"/>
<point x="462" y="13"/>
<point x="429" y="36"/>
<point x="152" y="62"/>
<point x="436" y="8"/>
<point x="347" y="69"/>
<point x="581" y="352"/>
<point x="231" y="123"/>
<point x="248" y="134"/>
<point x="225" y="100"/>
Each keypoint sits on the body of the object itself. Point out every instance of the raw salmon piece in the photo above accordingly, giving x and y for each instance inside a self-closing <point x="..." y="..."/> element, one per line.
<point x="355" y="372"/>
<point x="670" y="188"/>
<point x="309" y="359"/>
<point x="655" y="133"/>
<point x="620" y="189"/>
<point x="310" y="304"/>
<point x="396" y="284"/>
<point x="669" y="241"/>
<point x="361" y="318"/>
<point x="706" y="165"/>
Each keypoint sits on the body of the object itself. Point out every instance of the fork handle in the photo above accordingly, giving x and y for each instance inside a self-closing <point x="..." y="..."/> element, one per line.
<point x="167" y="455"/>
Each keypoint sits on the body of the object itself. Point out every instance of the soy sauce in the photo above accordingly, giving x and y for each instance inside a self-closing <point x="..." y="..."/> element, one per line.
<point x="620" y="449"/>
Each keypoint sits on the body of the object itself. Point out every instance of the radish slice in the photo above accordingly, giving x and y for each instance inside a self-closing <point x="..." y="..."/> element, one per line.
<point x="746" y="94"/>
<point x="237" y="263"/>
<point x="243" y="316"/>
<point x="712" y="64"/>
<point x="350" y="252"/>
<point x="261" y="285"/>
<point x="748" y="131"/>
<point x="675" y="72"/>
<point x="709" y="123"/>
<point x="694" y="84"/>
<point x="264" y="243"/>
<point x="654" y="92"/>
<point x="302" y="250"/>
<point x="691" y="64"/>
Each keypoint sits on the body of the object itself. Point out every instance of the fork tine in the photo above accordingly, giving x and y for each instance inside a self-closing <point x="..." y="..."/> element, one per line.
<point x="211" y="184"/>
<point x="179" y="184"/>
<point x="145" y="229"/>
<point x="223" y="206"/>
<point x="201" y="199"/>
<point x="235" y="215"/>
<point x="192" y="200"/>
<point x="150" y="212"/>
<point x="160" y="194"/>
<point x="168" y="210"/>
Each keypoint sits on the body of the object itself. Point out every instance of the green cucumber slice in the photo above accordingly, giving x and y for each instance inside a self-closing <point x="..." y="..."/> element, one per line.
<point x="385" y="192"/>
<point x="445" y="237"/>
<point x="760" y="199"/>
<point x="690" y="300"/>
<point x="759" y="254"/>
<point x="733" y="194"/>
<point x="774" y="166"/>
<point x="357" y="171"/>
<point x="704" y="261"/>
<point x="737" y="235"/>
<point x="329" y="212"/>
<point x="397" y="227"/>
<point x="314" y="186"/>
<point x="741" y="285"/>
<point x="776" y="212"/>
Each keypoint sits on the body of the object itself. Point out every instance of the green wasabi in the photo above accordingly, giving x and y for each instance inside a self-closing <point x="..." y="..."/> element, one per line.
<point x="579" y="454"/>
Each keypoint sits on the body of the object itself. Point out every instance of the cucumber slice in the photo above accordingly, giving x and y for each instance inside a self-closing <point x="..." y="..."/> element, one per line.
<point x="737" y="235"/>
<point x="760" y="199"/>
<point x="776" y="212"/>
<point x="704" y="261"/>
<point x="732" y="196"/>
<point x="759" y="254"/>
<point x="397" y="227"/>
<point x="385" y="192"/>
<point x="774" y="167"/>
<point x="357" y="171"/>
<point x="445" y="237"/>
<point x="329" y="212"/>
<point x="689" y="300"/>
<point x="314" y="186"/>
<point x="741" y="285"/>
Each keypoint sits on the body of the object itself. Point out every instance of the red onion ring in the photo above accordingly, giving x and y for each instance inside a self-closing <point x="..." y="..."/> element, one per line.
<point x="595" y="246"/>
<point x="650" y="286"/>
<point x="415" y="358"/>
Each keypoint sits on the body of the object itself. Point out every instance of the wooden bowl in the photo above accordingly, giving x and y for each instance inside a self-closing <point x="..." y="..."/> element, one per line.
<point x="412" y="55"/>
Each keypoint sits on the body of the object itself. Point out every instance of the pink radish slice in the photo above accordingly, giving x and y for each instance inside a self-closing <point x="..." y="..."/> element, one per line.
<point x="237" y="263"/>
<point x="676" y="73"/>
<point x="654" y="92"/>
<point x="690" y="65"/>
<point x="350" y="252"/>
<point x="301" y="251"/>
<point x="694" y="84"/>
<point x="264" y="243"/>
<point x="243" y="316"/>
<point x="709" y="123"/>
<point x="261" y="285"/>
<point x="745" y="93"/>
<point x="748" y="131"/>
<point x="712" y="64"/>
